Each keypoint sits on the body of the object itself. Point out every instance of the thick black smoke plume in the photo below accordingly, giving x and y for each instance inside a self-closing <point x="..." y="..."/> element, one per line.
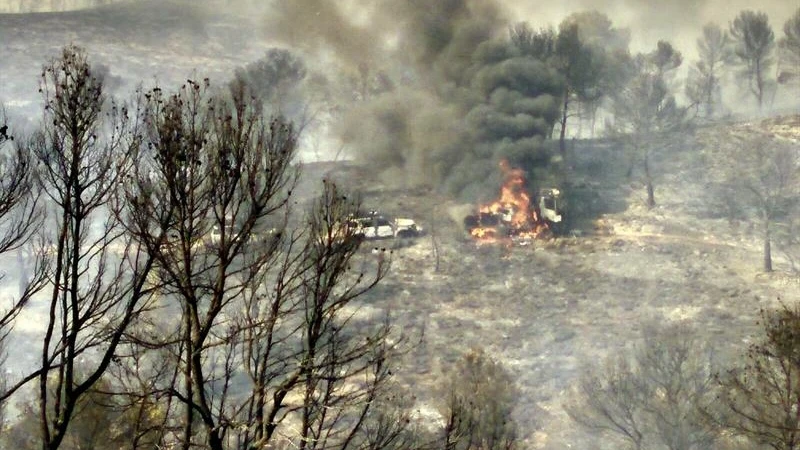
<point x="440" y="92"/>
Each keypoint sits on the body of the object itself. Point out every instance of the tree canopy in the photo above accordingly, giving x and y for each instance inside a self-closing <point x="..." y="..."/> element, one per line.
<point x="754" y="43"/>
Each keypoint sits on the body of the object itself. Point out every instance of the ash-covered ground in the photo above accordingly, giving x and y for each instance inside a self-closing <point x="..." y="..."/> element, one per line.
<point x="545" y="310"/>
<point x="552" y="308"/>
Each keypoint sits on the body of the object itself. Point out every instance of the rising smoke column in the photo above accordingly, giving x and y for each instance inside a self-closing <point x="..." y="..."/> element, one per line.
<point x="462" y="97"/>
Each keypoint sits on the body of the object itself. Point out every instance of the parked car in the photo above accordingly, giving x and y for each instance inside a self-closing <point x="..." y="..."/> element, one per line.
<point x="406" y="228"/>
<point x="376" y="226"/>
<point x="372" y="227"/>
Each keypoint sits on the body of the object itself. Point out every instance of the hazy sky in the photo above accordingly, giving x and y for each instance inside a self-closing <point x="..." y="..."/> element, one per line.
<point x="677" y="20"/>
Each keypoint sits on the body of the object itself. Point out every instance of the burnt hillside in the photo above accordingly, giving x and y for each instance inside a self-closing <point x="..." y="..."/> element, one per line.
<point x="548" y="309"/>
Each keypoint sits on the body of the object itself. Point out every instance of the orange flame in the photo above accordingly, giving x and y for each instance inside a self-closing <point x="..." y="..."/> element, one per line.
<point x="516" y="218"/>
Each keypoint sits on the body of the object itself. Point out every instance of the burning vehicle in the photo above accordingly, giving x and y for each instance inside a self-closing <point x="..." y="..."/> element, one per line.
<point x="516" y="215"/>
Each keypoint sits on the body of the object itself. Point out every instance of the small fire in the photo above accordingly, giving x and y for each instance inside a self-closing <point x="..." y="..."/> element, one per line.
<point x="511" y="217"/>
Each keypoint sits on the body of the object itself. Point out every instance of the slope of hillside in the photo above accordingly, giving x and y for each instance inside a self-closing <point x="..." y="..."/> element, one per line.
<point x="139" y="42"/>
<point x="548" y="309"/>
<point x="545" y="310"/>
<point x="27" y="6"/>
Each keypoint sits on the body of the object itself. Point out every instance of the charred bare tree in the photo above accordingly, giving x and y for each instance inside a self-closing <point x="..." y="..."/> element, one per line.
<point x="678" y="367"/>
<point x="480" y="401"/>
<point x="761" y="172"/>
<point x="101" y="420"/>
<point x="209" y="174"/>
<point x="19" y="199"/>
<point x="264" y="350"/>
<point x="652" y="398"/>
<point x="20" y="219"/>
<point x="759" y="399"/>
<point x="611" y="401"/>
<point x="387" y="426"/>
<point x="96" y="279"/>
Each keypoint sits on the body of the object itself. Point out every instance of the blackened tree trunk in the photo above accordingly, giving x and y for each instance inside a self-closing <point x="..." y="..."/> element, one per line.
<point x="648" y="179"/>
<point x="759" y="90"/>
<point x="258" y="301"/>
<point x="562" y="145"/>
<point x="84" y="151"/>
<point x="767" y="245"/>
<point x="754" y="44"/>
